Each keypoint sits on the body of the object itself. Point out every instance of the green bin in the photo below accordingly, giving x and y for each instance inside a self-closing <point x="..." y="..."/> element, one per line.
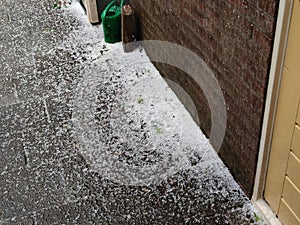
<point x="111" y="21"/>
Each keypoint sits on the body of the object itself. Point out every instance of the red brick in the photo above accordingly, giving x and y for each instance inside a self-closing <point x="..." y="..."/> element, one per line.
<point x="234" y="38"/>
<point x="269" y="6"/>
<point x="240" y="5"/>
<point x="265" y="23"/>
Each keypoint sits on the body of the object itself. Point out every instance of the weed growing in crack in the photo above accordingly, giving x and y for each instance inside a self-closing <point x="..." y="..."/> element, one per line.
<point x="158" y="130"/>
<point x="257" y="218"/>
<point x="49" y="30"/>
<point x="60" y="4"/>
<point x="140" y="100"/>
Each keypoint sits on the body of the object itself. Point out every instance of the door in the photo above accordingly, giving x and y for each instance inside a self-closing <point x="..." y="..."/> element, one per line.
<point x="282" y="191"/>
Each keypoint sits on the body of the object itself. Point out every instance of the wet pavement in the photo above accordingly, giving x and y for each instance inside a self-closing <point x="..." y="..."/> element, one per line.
<point x="90" y="135"/>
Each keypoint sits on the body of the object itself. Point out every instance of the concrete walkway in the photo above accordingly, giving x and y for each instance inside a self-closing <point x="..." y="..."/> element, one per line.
<point x="90" y="135"/>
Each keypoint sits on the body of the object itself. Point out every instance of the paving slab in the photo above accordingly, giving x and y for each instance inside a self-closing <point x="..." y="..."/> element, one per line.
<point x="24" y="191"/>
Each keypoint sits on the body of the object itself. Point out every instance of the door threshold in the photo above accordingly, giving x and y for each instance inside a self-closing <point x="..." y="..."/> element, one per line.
<point x="268" y="215"/>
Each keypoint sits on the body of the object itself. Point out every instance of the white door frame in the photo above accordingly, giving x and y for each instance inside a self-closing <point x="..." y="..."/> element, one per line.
<point x="278" y="56"/>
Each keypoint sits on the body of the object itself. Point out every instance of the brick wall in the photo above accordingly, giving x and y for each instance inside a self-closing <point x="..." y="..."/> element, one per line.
<point x="234" y="37"/>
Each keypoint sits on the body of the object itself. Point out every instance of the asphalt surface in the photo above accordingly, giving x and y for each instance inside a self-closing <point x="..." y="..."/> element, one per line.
<point x="76" y="120"/>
